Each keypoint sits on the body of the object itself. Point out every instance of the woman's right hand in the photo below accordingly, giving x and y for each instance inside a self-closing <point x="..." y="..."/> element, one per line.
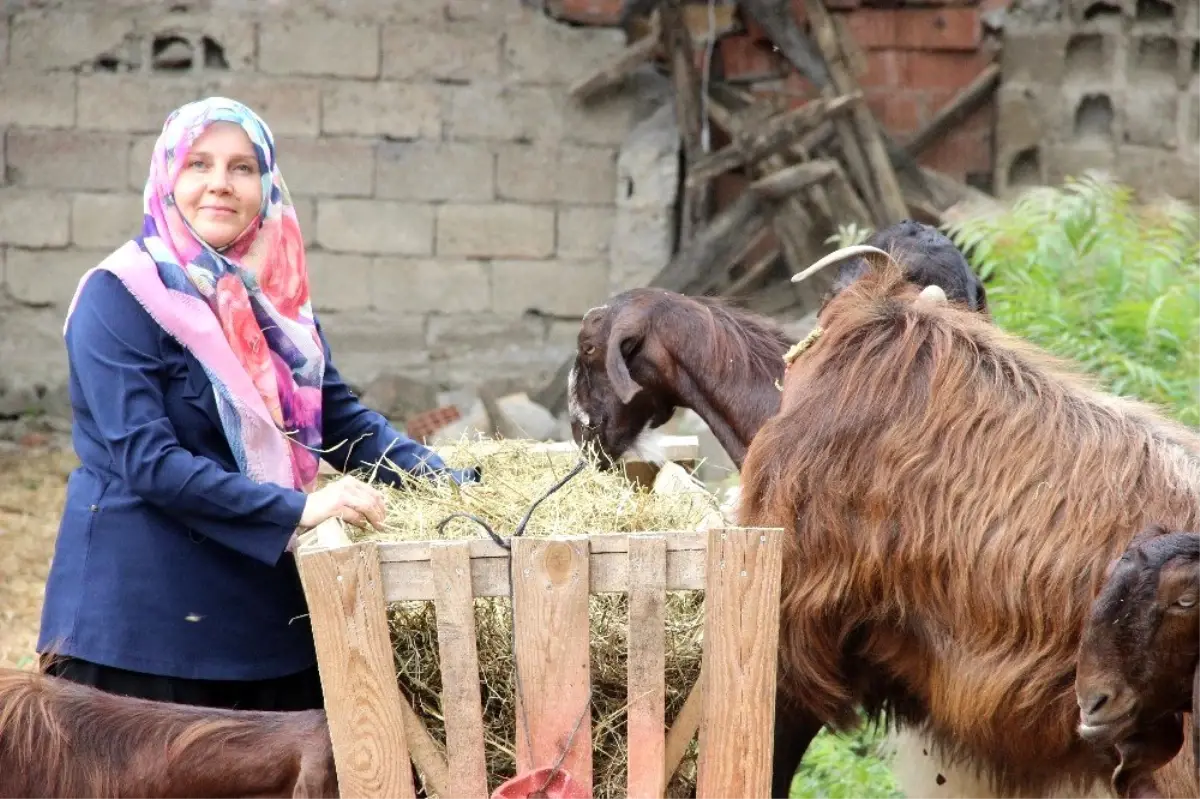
<point x="347" y="498"/>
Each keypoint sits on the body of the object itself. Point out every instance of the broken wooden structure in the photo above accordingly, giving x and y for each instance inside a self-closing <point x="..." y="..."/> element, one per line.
<point x="809" y="170"/>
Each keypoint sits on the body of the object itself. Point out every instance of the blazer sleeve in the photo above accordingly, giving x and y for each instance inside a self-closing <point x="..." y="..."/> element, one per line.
<point x="356" y="437"/>
<point x="114" y="350"/>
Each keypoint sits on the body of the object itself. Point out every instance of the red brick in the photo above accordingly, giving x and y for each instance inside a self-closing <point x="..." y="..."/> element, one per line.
<point x="587" y="12"/>
<point x="885" y="68"/>
<point x="959" y="153"/>
<point x="900" y="112"/>
<point x="798" y="89"/>
<point x="873" y="28"/>
<point x="943" y="71"/>
<point x="746" y="58"/>
<point x="938" y="28"/>
<point x="982" y="120"/>
<point x="799" y="12"/>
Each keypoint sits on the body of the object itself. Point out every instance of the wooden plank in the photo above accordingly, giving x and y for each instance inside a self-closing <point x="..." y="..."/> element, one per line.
<point x="741" y="641"/>
<point x="687" y="723"/>
<point x="686" y="82"/>
<point x="608" y="572"/>
<point x="551" y="646"/>
<point x="344" y="588"/>
<point x="962" y="104"/>
<point x="462" y="704"/>
<point x="646" y="735"/>
<point x="620" y="65"/>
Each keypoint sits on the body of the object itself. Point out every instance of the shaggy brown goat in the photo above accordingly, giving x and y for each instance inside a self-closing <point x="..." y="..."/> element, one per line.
<point x="1139" y="660"/>
<point x="650" y="351"/>
<point x="59" y="738"/>
<point x="952" y="496"/>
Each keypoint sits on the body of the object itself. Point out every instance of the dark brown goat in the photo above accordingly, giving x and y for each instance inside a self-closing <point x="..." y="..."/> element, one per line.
<point x="649" y="351"/>
<point x="1139" y="660"/>
<point x="951" y="497"/>
<point x="59" y="738"/>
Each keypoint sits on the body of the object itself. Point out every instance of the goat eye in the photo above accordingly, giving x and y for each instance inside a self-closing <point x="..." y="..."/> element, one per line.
<point x="1186" y="601"/>
<point x="589" y="351"/>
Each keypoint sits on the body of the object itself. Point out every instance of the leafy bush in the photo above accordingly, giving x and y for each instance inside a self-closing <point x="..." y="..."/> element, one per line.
<point x="1091" y="275"/>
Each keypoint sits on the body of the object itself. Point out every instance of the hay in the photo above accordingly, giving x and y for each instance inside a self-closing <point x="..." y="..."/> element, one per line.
<point x="592" y="502"/>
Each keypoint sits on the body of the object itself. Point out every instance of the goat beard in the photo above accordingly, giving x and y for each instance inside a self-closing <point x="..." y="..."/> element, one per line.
<point x="1141" y="754"/>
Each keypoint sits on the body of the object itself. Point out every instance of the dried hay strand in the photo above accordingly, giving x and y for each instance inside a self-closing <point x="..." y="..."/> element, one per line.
<point x="592" y="502"/>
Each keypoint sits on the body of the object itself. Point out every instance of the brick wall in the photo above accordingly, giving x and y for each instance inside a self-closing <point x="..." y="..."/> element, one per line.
<point x="445" y="183"/>
<point x="913" y="58"/>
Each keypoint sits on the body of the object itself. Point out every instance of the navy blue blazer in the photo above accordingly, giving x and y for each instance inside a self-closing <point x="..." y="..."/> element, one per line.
<point x="168" y="560"/>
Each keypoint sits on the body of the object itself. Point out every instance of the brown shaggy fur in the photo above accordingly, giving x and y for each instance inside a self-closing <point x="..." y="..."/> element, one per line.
<point x="952" y="496"/>
<point x="60" y="739"/>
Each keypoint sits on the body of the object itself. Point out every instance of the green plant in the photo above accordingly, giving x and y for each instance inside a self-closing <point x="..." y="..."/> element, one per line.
<point x="846" y="766"/>
<point x="1091" y="275"/>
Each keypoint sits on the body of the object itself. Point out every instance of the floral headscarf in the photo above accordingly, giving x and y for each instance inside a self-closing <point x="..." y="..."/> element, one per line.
<point x="244" y="310"/>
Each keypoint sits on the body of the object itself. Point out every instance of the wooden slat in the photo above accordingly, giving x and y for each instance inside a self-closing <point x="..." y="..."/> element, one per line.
<point x="461" y="701"/>
<point x="646" y="736"/>
<point x="552" y="640"/>
<point x="354" y="654"/>
<point x="407" y="574"/>
<point x="741" y="638"/>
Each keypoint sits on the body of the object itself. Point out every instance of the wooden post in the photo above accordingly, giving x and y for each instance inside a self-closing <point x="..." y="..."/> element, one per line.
<point x="358" y="676"/>
<point x="646" y="679"/>
<point x="741" y="642"/>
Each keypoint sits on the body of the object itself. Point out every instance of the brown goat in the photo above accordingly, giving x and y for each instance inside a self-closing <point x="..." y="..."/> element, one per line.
<point x="59" y="738"/>
<point x="1139" y="659"/>
<point x="952" y="496"/>
<point x="649" y="351"/>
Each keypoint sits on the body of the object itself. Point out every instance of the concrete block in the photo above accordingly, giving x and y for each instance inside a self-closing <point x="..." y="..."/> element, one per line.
<point x="135" y="104"/>
<point x="375" y="226"/>
<point x="330" y="167"/>
<point x="398" y="397"/>
<point x="585" y="232"/>
<point x="329" y="47"/>
<point x="388" y="108"/>
<point x="546" y="52"/>
<point x="517" y="416"/>
<point x="1072" y="160"/>
<point x="1093" y="115"/>
<point x="306" y="215"/>
<point x="1083" y="11"/>
<point x="422" y="285"/>
<point x="453" y="337"/>
<point x="556" y="288"/>
<point x="70" y="40"/>
<point x="492" y="110"/>
<point x="30" y="218"/>
<point x="365" y="345"/>
<point x="36" y="99"/>
<point x="47" y="277"/>
<point x="1151" y="117"/>
<point x="140" y="151"/>
<point x="495" y="230"/>
<point x="1018" y="121"/>
<point x="1090" y="59"/>
<point x="68" y="159"/>
<point x="289" y="107"/>
<point x="1154" y="61"/>
<point x="567" y="173"/>
<point x="1154" y="173"/>
<point x="229" y="35"/>
<point x="641" y="245"/>
<point x="500" y="13"/>
<point x="604" y="121"/>
<point x="105" y="220"/>
<point x="1189" y="120"/>
<point x="4" y="39"/>
<point x="338" y="281"/>
<point x="443" y="51"/>
<point x="425" y="170"/>
<point x="1187" y="15"/>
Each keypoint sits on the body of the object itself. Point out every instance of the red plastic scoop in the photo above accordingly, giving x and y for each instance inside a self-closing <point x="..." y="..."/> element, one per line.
<point x="527" y="785"/>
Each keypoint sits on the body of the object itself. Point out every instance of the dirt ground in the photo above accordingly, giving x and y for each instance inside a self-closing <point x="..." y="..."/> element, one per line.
<point x="33" y="484"/>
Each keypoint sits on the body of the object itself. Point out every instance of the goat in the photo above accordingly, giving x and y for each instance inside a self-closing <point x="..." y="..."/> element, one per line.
<point x="1139" y="658"/>
<point x="59" y="738"/>
<point x="648" y="352"/>
<point x="950" y="495"/>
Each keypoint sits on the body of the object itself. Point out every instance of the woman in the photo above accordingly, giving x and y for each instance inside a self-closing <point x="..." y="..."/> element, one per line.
<point x="203" y="397"/>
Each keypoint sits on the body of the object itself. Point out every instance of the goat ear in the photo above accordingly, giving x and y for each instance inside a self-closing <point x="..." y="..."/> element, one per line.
<point x="622" y="334"/>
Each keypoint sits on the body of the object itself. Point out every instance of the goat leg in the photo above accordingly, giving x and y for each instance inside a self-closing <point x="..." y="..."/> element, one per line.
<point x="794" y="731"/>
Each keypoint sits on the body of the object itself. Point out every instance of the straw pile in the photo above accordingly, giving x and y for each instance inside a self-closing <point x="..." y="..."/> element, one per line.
<point x="515" y="476"/>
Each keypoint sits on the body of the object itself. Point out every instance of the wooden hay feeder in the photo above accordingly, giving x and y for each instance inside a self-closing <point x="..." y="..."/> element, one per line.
<point x="377" y="735"/>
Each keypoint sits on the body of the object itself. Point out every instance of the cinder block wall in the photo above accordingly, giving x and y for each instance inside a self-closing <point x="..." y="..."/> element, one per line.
<point x="1103" y="83"/>
<point x="446" y="184"/>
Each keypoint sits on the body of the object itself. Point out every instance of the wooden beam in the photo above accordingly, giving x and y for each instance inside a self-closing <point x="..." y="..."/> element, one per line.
<point x="789" y="180"/>
<point x="971" y="97"/>
<point x="620" y="65"/>
<point x="678" y="45"/>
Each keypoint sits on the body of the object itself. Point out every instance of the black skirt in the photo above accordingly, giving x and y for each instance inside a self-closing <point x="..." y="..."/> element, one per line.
<point x="300" y="691"/>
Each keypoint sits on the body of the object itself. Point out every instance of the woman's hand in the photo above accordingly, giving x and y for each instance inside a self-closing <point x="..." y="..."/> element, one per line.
<point x="348" y="499"/>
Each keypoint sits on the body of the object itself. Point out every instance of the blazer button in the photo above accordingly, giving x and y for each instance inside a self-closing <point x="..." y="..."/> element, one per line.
<point x="94" y="508"/>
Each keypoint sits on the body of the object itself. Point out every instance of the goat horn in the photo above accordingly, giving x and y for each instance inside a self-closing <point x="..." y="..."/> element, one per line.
<point x="932" y="294"/>
<point x="834" y="257"/>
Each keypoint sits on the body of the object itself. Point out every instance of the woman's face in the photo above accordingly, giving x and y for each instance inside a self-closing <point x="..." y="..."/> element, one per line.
<point x="219" y="188"/>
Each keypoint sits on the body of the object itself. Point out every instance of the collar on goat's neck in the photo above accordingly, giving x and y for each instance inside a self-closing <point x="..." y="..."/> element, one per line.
<point x="798" y="349"/>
